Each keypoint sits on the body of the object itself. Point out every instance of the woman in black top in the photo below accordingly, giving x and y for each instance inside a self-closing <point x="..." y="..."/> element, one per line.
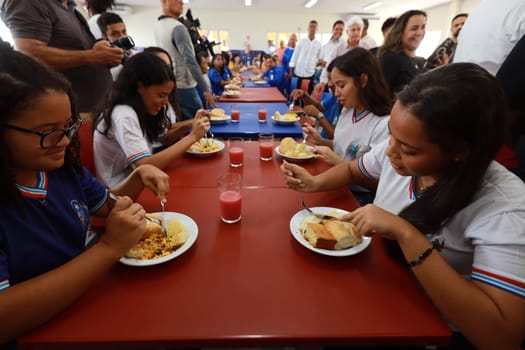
<point x="398" y="53"/>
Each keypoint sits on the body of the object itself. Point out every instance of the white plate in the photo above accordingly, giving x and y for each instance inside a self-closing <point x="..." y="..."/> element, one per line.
<point x="294" y="159"/>
<point x="232" y="87"/>
<point x="215" y="120"/>
<point x="260" y="82"/>
<point x="232" y="93"/>
<point x="207" y="154"/>
<point x="285" y="122"/>
<point x="301" y="215"/>
<point x="191" y="228"/>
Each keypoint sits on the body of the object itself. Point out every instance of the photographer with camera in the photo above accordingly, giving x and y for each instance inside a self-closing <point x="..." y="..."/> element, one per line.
<point x="113" y="29"/>
<point x="173" y="36"/>
<point x="58" y="35"/>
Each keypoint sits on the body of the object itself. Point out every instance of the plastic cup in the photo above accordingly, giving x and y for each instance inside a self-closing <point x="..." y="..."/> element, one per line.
<point x="235" y="113"/>
<point x="266" y="146"/>
<point x="261" y="113"/>
<point x="230" y="197"/>
<point x="236" y="151"/>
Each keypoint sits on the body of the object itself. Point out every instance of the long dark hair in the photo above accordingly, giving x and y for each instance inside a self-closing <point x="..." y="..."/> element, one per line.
<point x="462" y="108"/>
<point x="394" y="40"/>
<point x="174" y="98"/>
<point x="22" y="81"/>
<point x="147" y="69"/>
<point x="222" y="70"/>
<point x="374" y="96"/>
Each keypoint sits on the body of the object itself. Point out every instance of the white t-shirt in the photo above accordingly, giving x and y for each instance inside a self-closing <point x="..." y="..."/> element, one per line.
<point x="93" y="26"/>
<point x="354" y="135"/>
<point x="485" y="241"/>
<point x="490" y="32"/>
<point x="329" y="47"/>
<point x="305" y="56"/>
<point x="124" y="144"/>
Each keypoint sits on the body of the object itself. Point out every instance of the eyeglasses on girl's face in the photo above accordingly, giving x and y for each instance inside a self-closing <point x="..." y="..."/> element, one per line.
<point x="50" y="138"/>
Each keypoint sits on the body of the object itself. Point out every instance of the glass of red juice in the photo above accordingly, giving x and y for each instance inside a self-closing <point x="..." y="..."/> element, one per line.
<point x="235" y="113"/>
<point x="230" y="197"/>
<point x="236" y="151"/>
<point x="261" y="113"/>
<point x="266" y="146"/>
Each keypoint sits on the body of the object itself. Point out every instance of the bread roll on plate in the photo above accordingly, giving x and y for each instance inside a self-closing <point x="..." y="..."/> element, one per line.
<point x="329" y="234"/>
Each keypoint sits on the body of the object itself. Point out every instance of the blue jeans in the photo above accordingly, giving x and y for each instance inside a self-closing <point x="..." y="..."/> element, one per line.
<point x="190" y="102"/>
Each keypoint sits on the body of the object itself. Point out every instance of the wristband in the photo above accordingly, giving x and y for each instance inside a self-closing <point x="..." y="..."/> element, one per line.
<point x="425" y="254"/>
<point x="320" y="116"/>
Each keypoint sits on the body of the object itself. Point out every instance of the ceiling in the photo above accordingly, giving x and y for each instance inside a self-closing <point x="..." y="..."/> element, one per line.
<point x="388" y="7"/>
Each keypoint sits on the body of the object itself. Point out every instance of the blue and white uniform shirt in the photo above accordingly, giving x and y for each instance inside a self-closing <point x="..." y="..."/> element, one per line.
<point x="50" y="226"/>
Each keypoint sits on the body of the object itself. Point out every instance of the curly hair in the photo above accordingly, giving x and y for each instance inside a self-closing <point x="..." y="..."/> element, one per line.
<point x="22" y="81"/>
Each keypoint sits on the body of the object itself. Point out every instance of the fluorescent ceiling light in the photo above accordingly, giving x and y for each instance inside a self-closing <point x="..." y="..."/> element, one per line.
<point x="310" y="3"/>
<point x="373" y="5"/>
<point x="248" y="2"/>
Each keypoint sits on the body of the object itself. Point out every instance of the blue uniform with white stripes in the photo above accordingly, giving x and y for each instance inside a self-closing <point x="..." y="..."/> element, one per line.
<point x="50" y="227"/>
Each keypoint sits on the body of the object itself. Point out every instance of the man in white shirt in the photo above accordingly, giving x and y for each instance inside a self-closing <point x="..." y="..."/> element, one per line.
<point x="490" y="33"/>
<point x="365" y="37"/>
<point x="307" y="56"/>
<point x="95" y="8"/>
<point x="336" y="39"/>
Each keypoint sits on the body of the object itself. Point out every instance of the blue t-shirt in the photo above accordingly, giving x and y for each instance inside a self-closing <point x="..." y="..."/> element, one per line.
<point x="215" y="79"/>
<point x="331" y="107"/>
<point x="50" y="228"/>
<point x="275" y="78"/>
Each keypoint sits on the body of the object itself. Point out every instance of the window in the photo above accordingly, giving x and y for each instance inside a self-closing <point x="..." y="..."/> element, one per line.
<point x="220" y="37"/>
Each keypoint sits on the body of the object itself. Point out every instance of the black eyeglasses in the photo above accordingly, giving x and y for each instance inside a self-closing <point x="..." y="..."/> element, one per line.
<point x="52" y="137"/>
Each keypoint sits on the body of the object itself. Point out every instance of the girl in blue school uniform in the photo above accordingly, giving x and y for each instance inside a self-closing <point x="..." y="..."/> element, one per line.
<point x="457" y="215"/>
<point x="47" y="198"/>
<point x="219" y="74"/>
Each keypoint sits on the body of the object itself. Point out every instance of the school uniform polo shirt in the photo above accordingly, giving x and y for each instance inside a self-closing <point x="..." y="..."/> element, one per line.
<point x="485" y="241"/>
<point x="50" y="226"/>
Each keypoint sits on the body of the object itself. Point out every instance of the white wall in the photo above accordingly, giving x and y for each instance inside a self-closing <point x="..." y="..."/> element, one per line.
<point x="239" y="24"/>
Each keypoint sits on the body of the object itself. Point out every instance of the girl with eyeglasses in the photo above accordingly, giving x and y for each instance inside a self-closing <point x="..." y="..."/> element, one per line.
<point x="47" y="198"/>
<point x="456" y="214"/>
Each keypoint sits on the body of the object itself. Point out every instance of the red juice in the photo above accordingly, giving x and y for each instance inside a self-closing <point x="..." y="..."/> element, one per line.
<point x="236" y="115"/>
<point x="236" y="156"/>
<point x="266" y="150"/>
<point x="230" y="206"/>
<point x="262" y="115"/>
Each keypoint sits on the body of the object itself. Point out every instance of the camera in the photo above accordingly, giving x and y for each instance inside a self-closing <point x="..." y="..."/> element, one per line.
<point x="126" y="44"/>
<point x="201" y="44"/>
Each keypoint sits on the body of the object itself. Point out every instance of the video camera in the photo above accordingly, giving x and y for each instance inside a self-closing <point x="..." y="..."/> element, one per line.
<point x="201" y="44"/>
<point x="126" y="44"/>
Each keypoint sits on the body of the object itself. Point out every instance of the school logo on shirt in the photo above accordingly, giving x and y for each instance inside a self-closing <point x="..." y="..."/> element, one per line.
<point x="82" y="212"/>
<point x="356" y="150"/>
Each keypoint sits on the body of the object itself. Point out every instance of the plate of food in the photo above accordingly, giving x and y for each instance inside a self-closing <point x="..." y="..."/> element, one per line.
<point x="288" y="118"/>
<point x="293" y="151"/>
<point x="232" y="93"/>
<point x="218" y="116"/>
<point x="205" y="147"/>
<point x="327" y="237"/>
<point x="232" y="86"/>
<point x="155" y="247"/>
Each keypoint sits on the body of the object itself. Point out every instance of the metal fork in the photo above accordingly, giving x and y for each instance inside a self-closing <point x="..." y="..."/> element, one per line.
<point x="290" y="108"/>
<point x="317" y="215"/>
<point x="209" y="141"/>
<point x="150" y="219"/>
